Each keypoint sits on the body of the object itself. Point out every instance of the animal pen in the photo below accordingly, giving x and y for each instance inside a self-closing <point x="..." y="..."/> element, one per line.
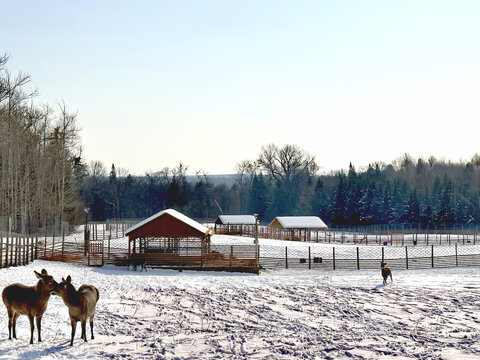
<point x="171" y="239"/>
<point x="242" y="225"/>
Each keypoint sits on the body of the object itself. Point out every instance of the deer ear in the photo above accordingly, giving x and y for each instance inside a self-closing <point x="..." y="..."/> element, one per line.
<point x="69" y="279"/>
<point x="40" y="276"/>
<point x="44" y="272"/>
<point x="63" y="279"/>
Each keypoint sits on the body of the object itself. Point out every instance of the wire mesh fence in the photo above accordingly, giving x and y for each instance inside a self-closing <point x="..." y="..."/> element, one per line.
<point x="368" y="257"/>
<point x="20" y="250"/>
<point x="394" y="236"/>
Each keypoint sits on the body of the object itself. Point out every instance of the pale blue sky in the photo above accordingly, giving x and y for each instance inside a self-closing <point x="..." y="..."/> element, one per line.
<point x="209" y="82"/>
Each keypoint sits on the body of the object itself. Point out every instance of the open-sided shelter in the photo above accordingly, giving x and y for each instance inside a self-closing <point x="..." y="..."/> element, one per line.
<point x="174" y="240"/>
<point x="235" y="225"/>
<point x="169" y="238"/>
<point x="299" y="227"/>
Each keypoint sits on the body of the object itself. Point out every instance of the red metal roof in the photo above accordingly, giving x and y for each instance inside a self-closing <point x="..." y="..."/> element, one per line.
<point x="168" y="223"/>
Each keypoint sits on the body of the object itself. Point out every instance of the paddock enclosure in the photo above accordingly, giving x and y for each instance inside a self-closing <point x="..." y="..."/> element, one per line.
<point x="171" y="240"/>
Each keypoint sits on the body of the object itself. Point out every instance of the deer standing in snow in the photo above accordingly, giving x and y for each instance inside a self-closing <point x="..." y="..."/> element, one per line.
<point x="28" y="300"/>
<point x="386" y="272"/>
<point x="81" y="304"/>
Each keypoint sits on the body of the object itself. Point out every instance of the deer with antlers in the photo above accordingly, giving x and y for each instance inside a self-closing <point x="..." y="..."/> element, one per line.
<point x="81" y="304"/>
<point x="28" y="300"/>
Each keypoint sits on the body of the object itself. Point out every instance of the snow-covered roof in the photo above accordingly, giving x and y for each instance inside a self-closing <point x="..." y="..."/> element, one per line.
<point x="299" y="222"/>
<point x="174" y="213"/>
<point x="236" y="220"/>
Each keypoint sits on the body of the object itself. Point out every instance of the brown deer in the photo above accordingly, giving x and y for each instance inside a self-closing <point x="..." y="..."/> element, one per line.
<point x="81" y="304"/>
<point x="28" y="300"/>
<point x="386" y="272"/>
<point x="137" y="261"/>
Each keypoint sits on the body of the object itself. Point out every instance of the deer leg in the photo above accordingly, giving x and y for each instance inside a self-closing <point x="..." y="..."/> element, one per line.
<point x="32" y="328"/>
<point x="91" y="326"/>
<point x="74" y="327"/>
<point x="10" y="323"/>
<point x="84" y="332"/>
<point x="39" y="327"/>
<point x="9" y="327"/>
<point x="14" y="324"/>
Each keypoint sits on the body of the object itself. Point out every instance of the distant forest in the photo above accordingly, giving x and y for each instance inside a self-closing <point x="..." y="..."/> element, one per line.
<point x="283" y="181"/>
<point x="44" y="180"/>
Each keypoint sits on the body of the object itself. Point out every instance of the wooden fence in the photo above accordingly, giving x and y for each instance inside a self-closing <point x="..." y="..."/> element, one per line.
<point x="16" y="250"/>
<point x="184" y="255"/>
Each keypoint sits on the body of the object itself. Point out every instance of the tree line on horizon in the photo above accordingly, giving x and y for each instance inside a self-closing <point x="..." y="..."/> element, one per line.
<point x="44" y="181"/>
<point x="283" y="181"/>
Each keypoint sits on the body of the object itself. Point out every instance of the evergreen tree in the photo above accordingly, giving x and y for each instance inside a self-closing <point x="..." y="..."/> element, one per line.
<point x="258" y="199"/>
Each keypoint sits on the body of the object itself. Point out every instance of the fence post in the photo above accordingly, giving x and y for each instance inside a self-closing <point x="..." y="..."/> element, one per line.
<point x="1" y="252"/>
<point x="63" y="246"/>
<point x="16" y="251"/>
<point x="36" y="249"/>
<point x="286" y="257"/>
<point x="28" y="249"/>
<point x="309" y="259"/>
<point x="231" y="257"/>
<point x="456" y="254"/>
<point x="406" y="256"/>
<point x="6" y="251"/>
<point x="24" y="253"/>
<point x="383" y="254"/>
<point x="358" y="258"/>
<point x="432" y="255"/>
<point x="333" y="257"/>
<point x="53" y="243"/>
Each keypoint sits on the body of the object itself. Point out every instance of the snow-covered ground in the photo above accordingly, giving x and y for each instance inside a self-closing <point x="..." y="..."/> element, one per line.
<point x="166" y="314"/>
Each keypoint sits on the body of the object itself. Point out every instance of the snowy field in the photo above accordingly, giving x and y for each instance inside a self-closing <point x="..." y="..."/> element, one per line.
<point x="166" y="314"/>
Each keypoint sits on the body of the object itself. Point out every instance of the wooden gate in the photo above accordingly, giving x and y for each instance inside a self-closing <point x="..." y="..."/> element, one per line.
<point x="95" y="251"/>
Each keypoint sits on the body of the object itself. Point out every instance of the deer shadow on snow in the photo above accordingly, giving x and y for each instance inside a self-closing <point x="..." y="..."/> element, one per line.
<point x="25" y="351"/>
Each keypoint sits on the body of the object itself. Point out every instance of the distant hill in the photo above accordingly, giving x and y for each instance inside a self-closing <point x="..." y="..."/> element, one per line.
<point x="227" y="179"/>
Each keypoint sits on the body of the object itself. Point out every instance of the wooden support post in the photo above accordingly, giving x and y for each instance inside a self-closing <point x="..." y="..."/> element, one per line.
<point x="6" y="251"/>
<point x="15" y="247"/>
<point x="333" y="258"/>
<point x="358" y="258"/>
<point x="309" y="258"/>
<point x="53" y="244"/>
<point x="286" y="257"/>
<point x="63" y="246"/>
<point x="28" y="249"/>
<point x="432" y="255"/>
<point x="1" y="252"/>
<point x="406" y="256"/>
<point x="383" y="254"/>
<point x="36" y="248"/>
<point x="456" y="254"/>
<point x="24" y="252"/>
